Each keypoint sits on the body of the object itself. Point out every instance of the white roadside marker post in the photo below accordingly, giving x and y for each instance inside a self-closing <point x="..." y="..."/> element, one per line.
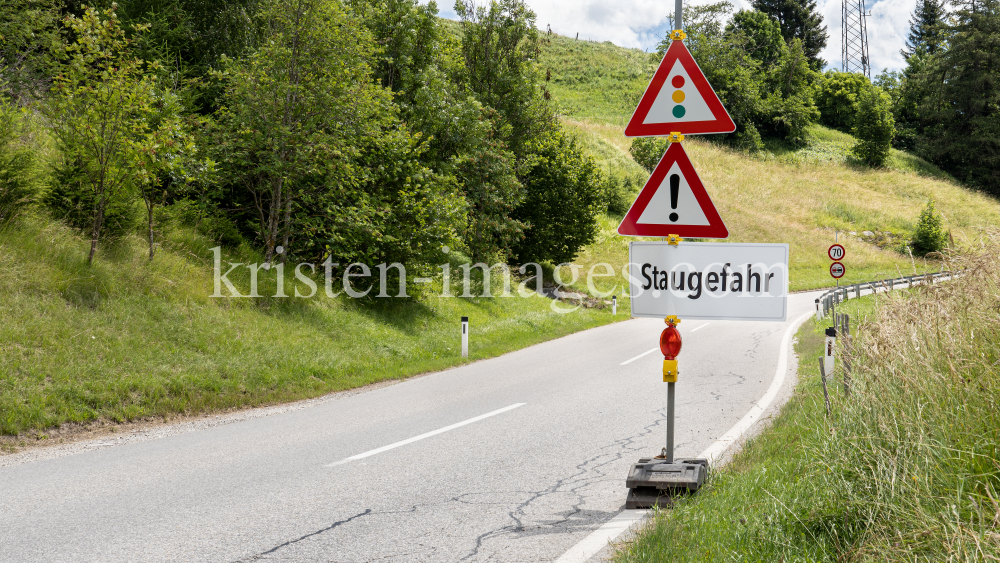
<point x="614" y="305"/>
<point x="465" y="337"/>
<point x="831" y="346"/>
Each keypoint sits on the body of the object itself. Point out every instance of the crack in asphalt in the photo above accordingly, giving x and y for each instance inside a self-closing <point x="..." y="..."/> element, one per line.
<point x="262" y="554"/>
<point x="583" y="477"/>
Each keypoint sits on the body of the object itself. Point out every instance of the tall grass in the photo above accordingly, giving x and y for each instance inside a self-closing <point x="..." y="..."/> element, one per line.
<point x="906" y="469"/>
<point x="919" y="445"/>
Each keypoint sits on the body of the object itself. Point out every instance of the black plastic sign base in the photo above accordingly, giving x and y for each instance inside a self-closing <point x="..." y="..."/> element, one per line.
<point x="651" y="482"/>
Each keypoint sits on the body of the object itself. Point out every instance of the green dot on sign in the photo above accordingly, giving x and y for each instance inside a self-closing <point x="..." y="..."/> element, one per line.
<point x="679" y="111"/>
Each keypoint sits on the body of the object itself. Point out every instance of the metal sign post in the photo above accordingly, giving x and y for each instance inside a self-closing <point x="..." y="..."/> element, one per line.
<point x="671" y="280"/>
<point x="651" y="476"/>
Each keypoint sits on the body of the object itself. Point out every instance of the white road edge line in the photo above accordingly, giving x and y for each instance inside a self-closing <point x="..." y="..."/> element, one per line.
<point x="425" y="435"/>
<point x="701" y="327"/>
<point x="644" y="354"/>
<point x="600" y="538"/>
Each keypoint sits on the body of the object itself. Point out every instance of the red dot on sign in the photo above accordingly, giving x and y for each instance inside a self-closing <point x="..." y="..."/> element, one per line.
<point x="678" y="81"/>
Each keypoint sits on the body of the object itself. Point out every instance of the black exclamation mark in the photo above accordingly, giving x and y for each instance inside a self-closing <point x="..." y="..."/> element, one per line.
<point x="675" y="190"/>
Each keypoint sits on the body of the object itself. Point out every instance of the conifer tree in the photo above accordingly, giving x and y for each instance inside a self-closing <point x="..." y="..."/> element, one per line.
<point x="799" y="19"/>
<point x="961" y="109"/>
<point x="926" y="28"/>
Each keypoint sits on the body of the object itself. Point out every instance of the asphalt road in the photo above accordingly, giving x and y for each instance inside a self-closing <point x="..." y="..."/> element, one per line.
<point x="517" y="458"/>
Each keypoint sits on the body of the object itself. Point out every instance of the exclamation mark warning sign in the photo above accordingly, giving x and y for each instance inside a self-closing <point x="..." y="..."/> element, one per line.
<point x="673" y="201"/>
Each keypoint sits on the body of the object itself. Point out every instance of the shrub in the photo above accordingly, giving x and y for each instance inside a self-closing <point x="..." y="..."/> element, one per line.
<point x="615" y="195"/>
<point x="874" y="127"/>
<point x="647" y="151"/>
<point x="71" y="199"/>
<point x="929" y="235"/>
<point x="18" y="166"/>
<point x="837" y="98"/>
<point x="562" y="200"/>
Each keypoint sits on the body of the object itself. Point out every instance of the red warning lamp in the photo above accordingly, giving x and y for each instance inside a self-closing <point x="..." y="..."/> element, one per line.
<point x="670" y="345"/>
<point x="670" y="342"/>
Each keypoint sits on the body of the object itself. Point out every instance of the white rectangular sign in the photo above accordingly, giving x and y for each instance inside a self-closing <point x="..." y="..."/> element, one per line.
<point x="709" y="280"/>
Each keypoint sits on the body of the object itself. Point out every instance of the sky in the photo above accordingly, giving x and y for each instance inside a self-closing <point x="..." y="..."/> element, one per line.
<point x="643" y="23"/>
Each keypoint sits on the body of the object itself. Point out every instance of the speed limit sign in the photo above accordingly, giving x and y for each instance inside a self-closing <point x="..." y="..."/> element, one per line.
<point x="837" y="270"/>
<point x="836" y="252"/>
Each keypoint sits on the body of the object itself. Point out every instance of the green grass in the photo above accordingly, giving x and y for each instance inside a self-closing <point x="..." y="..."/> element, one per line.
<point x="126" y="339"/>
<point x="905" y="469"/>
<point x="595" y="81"/>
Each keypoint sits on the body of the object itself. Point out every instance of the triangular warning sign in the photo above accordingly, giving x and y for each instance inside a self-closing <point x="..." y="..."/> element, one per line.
<point x="679" y="100"/>
<point x="673" y="202"/>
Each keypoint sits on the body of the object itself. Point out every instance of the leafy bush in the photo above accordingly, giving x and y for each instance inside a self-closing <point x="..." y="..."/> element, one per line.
<point x="492" y="191"/>
<point x="647" y="151"/>
<point x="874" y="127"/>
<point x="562" y="200"/>
<point x="837" y="98"/>
<point x="929" y="235"/>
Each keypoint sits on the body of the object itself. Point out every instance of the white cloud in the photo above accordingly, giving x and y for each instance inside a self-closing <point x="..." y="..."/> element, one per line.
<point x="643" y="23"/>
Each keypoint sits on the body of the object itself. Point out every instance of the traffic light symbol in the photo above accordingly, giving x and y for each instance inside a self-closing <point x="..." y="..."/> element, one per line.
<point x="678" y="96"/>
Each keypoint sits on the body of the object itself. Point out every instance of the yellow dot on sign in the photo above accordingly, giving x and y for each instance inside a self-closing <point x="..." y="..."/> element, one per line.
<point x="678" y="96"/>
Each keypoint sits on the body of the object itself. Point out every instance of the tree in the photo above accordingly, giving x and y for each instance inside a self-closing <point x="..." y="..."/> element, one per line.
<point x="421" y="66"/>
<point x="927" y="28"/>
<point x="168" y="156"/>
<point x="28" y="28"/>
<point x="562" y="202"/>
<point x="737" y="77"/>
<point x="493" y="192"/>
<point x="500" y="47"/>
<point x="874" y="127"/>
<point x="100" y="101"/>
<point x="191" y="36"/>
<point x="296" y="110"/>
<point x="789" y="100"/>
<point x="799" y="19"/>
<point x="959" y="111"/>
<point x="762" y="35"/>
<point x="407" y="34"/>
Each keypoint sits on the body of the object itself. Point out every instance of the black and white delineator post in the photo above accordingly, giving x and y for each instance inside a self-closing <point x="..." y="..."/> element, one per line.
<point x="649" y="479"/>
<point x="614" y="305"/>
<point x="465" y="337"/>
<point x="829" y="350"/>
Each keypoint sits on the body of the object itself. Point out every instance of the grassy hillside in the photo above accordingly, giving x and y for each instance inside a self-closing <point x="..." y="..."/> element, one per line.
<point x="128" y="339"/>
<point x="798" y="195"/>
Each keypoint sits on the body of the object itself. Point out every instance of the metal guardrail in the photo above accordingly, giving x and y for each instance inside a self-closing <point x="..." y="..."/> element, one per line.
<point x="825" y="303"/>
